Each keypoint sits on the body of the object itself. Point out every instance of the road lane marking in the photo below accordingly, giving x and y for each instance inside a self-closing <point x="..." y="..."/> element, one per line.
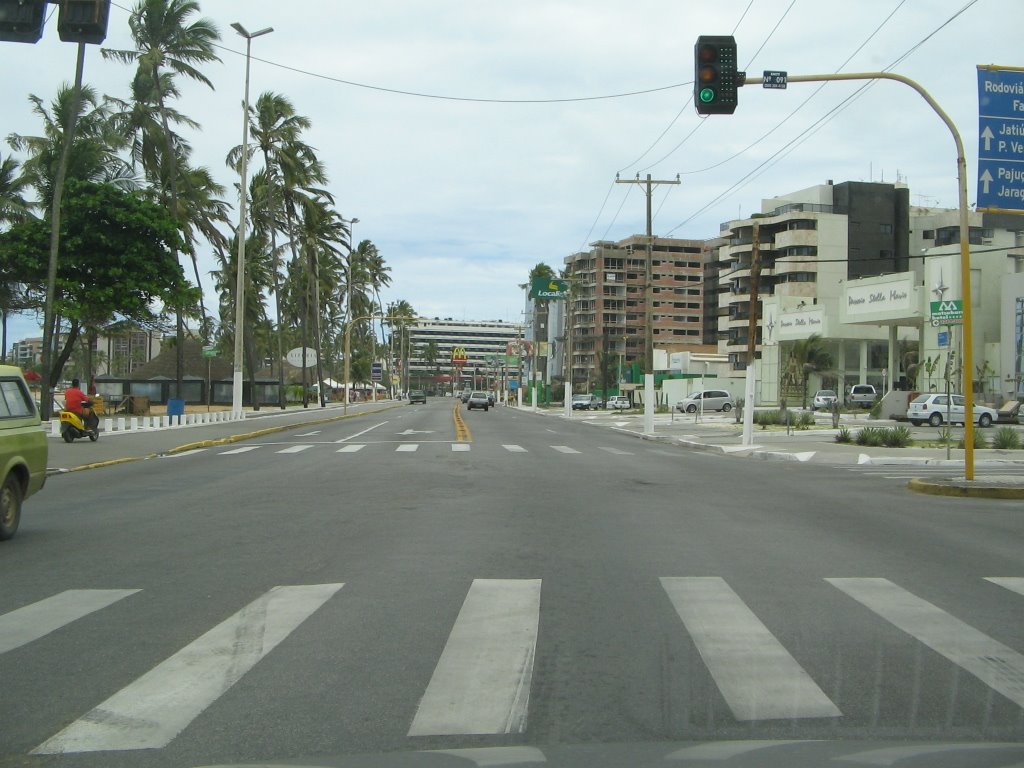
<point x="481" y="683"/>
<point x="1012" y="583"/>
<point x="243" y="449"/>
<point x="758" y="678"/>
<point x="564" y="449"/>
<point x="460" y="447"/>
<point x="993" y="663"/>
<point x="295" y="449"/>
<point x="514" y="448"/>
<point x="617" y="452"/>
<point x="309" y="434"/>
<point x="150" y="712"/>
<point x="357" y="434"/>
<point x="23" y="625"/>
<point x="351" y="448"/>
<point x="407" y="447"/>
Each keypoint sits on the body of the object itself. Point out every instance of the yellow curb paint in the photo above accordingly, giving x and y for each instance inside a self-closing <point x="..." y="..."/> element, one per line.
<point x="965" y="492"/>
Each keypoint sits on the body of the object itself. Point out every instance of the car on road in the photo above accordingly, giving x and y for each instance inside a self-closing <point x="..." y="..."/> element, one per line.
<point x="465" y="395"/>
<point x="417" y="396"/>
<point x="712" y="400"/>
<point x="824" y="398"/>
<point x="478" y="400"/>
<point x="936" y="409"/>
<point x="618" y="403"/>
<point x="584" y="402"/>
<point x="861" y="395"/>
<point x="23" y="448"/>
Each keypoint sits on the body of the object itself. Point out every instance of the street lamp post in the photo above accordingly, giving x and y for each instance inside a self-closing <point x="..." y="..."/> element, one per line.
<point x="348" y="311"/>
<point x="236" y="381"/>
<point x="348" y="343"/>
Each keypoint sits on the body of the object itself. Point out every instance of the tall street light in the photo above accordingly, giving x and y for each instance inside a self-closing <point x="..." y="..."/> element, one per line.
<point x="236" y="382"/>
<point x="348" y="311"/>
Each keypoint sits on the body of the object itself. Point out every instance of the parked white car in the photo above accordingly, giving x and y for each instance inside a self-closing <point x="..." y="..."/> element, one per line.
<point x="824" y="398"/>
<point x="618" y="403"/>
<point x="937" y="409"/>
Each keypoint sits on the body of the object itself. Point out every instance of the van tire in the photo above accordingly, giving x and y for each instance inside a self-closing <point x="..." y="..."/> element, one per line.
<point x="10" y="506"/>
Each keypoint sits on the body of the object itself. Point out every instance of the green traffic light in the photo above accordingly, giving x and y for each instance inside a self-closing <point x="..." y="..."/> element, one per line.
<point x="707" y="95"/>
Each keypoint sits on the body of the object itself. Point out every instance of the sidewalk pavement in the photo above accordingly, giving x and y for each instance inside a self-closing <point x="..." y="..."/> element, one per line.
<point x="140" y="444"/>
<point x="720" y="433"/>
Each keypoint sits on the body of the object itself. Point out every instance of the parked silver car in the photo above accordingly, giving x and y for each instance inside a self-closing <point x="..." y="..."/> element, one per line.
<point x="712" y="399"/>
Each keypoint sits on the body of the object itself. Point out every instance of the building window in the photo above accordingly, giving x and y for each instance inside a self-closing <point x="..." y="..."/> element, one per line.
<point x="885" y="229"/>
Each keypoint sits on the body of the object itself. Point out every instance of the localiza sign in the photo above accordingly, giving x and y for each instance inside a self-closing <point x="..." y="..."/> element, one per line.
<point x="548" y="288"/>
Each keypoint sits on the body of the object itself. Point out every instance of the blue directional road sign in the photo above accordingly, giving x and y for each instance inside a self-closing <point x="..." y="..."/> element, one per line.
<point x="1000" y="139"/>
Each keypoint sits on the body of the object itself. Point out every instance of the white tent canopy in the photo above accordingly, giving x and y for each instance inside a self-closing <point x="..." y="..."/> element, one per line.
<point x="332" y="384"/>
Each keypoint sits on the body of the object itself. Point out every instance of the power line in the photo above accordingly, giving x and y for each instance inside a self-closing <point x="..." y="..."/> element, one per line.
<point x="444" y="97"/>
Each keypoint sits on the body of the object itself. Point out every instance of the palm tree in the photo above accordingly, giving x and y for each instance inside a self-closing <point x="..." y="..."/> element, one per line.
<point x="275" y="129"/>
<point x="167" y="45"/>
<point x="400" y="316"/>
<point x="322" y="232"/>
<point x="806" y="356"/>
<point x="13" y="208"/>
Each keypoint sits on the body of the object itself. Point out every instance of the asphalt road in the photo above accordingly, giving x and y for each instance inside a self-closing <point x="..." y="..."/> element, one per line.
<point x="372" y="585"/>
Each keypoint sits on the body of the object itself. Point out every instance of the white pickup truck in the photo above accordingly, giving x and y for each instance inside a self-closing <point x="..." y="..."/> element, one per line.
<point x="860" y="395"/>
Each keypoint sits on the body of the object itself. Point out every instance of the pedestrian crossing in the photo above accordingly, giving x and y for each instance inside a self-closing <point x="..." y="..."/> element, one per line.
<point x="409" y="447"/>
<point x="484" y="675"/>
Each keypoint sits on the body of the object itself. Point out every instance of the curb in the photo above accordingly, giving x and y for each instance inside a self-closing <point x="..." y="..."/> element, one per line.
<point x="954" y="488"/>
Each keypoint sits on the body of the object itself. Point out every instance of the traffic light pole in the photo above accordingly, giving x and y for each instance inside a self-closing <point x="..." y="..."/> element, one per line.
<point x="965" y="250"/>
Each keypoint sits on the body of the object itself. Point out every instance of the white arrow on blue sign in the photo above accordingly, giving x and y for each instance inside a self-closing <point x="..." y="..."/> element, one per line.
<point x="1000" y="139"/>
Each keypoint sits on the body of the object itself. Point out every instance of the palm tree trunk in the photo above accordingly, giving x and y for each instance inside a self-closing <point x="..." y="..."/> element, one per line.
<point x="277" y="283"/>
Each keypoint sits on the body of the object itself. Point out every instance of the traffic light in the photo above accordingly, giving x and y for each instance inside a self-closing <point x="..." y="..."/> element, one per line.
<point x="21" y="21"/>
<point x="83" y="21"/>
<point x="715" y="78"/>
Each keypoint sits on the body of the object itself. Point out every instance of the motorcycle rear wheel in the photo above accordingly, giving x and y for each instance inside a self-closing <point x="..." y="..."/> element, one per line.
<point x="68" y="437"/>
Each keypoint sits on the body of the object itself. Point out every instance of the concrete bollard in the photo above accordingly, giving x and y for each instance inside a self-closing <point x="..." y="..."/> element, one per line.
<point x="108" y="425"/>
<point x="120" y="424"/>
<point x="55" y="428"/>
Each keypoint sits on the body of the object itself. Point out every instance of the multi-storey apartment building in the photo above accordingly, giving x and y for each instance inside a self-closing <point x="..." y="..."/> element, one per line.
<point x="608" y="302"/>
<point x="487" y="345"/>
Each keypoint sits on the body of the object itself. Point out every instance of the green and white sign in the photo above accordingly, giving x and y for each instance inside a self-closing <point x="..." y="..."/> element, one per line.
<point x="948" y="312"/>
<point x="549" y="288"/>
<point x="209" y="351"/>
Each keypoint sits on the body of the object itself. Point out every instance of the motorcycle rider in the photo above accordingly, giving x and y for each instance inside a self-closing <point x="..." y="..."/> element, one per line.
<point x="76" y="401"/>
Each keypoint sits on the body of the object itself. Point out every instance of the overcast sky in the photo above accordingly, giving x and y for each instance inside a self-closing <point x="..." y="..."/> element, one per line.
<point x="499" y="163"/>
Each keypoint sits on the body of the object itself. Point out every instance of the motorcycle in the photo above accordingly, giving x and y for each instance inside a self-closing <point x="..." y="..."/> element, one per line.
<point x="73" y="426"/>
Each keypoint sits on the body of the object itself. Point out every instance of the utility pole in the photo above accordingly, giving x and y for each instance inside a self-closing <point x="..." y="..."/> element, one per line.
<point x="755" y="282"/>
<point x="649" y="183"/>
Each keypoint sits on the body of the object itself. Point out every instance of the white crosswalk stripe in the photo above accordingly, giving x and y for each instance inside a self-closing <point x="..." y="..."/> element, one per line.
<point x="295" y="449"/>
<point x="756" y="675"/>
<point x="407" y="447"/>
<point x="990" y="661"/>
<point x="1014" y="584"/>
<point x="514" y="448"/>
<point x="351" y="448"/>
<point x="460" y="447"/>
<point x="481" y="683"/>
<point x="151" y="711"/>
<point x="616" y="451"/>
<point x="243" y="449"/>
<point x="31" y="622"/>
<point x="564" y="449"/>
